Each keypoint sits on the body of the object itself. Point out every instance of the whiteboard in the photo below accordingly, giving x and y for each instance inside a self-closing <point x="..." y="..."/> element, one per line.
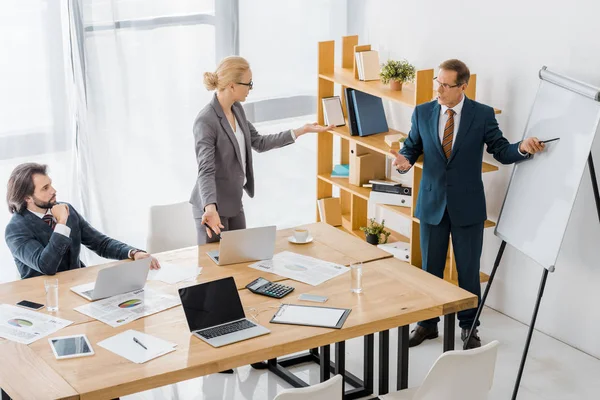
<point x="542" y="190"/>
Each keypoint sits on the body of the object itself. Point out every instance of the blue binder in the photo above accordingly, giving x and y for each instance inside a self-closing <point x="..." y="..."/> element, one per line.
<point x="352" y="127"/>
<point x="370" y="117"/>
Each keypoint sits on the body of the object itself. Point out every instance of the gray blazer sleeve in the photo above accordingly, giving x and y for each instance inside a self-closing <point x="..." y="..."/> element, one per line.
<point x="26" y="248"/>
<point x="262" y="143"/>
<point x="206" y="141"/>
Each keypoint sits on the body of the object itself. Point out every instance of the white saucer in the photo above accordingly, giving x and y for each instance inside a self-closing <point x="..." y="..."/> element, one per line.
<point x="292" y="239"/>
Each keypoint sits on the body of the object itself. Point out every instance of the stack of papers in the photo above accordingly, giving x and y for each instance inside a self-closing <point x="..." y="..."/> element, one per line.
<point x="173" y="273"/>
<point x="119" y="310"/>
<point x="24" y="326"/>
<point x="125" y="346"/>
<point x="300" y="268"/>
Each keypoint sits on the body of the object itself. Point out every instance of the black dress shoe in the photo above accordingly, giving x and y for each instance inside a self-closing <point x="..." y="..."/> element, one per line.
<point x="473" y="343"/>
<point x="419" y="334"/>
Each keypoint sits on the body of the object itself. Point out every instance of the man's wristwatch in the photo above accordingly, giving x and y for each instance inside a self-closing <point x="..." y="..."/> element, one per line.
<point x="133" y="253"/>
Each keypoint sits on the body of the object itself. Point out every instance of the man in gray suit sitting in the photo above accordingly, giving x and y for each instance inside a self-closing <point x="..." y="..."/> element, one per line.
<point x="45" y="237"/>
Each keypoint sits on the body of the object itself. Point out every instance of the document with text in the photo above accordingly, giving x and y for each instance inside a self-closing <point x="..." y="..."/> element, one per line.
<point x="25" y="326"/>
<point x="300" y="268"/>
<point x="122" y="309"/>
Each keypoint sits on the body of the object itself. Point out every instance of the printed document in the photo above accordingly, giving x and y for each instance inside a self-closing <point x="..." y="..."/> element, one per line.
<point x="300" y="268"/>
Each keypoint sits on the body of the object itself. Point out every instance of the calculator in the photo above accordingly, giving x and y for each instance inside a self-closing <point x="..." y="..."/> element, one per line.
<point x="268" y="288"/>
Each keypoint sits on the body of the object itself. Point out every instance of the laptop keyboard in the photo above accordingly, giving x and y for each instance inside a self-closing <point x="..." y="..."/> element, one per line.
<point x="88" y="293"/>
<point x="226" y="329"/>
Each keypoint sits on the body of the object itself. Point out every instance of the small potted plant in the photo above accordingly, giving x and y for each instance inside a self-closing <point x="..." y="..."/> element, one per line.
<point x="397" y="72"/>
<point x="374" y="231"/>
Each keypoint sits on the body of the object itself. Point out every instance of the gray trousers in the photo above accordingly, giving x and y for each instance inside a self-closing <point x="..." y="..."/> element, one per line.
<point x="230" y="224"/>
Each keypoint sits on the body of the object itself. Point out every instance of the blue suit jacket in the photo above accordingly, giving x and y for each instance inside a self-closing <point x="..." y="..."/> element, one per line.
<point x="455" y="183"/>
<point x="37" y="250"/>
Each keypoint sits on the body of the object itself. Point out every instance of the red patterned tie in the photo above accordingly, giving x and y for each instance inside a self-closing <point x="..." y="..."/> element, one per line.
<point x="448" y="134"/>
<point x="49" y="220"/>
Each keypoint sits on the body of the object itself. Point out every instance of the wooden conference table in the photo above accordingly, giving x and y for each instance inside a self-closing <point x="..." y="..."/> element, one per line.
<point x="395" y="295"/>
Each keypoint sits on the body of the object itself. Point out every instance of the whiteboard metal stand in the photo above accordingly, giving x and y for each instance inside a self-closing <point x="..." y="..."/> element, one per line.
<point x="540" y="290"/>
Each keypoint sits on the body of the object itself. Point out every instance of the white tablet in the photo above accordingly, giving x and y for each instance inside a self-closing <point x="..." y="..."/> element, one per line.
<point x="71" y="346"/>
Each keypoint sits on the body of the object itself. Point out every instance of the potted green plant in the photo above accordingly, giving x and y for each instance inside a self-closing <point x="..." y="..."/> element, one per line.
<point x="374" y="231"/>
<point x="397" y="72"/>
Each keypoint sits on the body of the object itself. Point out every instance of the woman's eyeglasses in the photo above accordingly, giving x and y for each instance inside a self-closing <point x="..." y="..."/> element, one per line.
<point x="249" y="84"/>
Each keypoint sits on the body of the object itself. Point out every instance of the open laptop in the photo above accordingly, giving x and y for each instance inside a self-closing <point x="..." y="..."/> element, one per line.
<point x="215" y="314"/>
<point x="119" y="279"/>
<point x="244" y="245"/>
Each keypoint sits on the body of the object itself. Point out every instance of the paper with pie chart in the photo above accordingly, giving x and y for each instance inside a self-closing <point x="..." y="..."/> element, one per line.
<point x="122" y="309"/>
<point x="300" y="268"/>
<point x="25" y="326"/>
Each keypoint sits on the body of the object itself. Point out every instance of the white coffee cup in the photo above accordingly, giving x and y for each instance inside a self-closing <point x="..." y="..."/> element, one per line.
<point x="301" y="235"/>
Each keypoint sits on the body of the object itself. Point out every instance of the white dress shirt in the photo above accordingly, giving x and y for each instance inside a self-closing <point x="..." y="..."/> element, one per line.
<point x="458" y="112"/>
<point x="444" y="118"/>
<point x="239" y="135"/>
<point x="59" y="228"/>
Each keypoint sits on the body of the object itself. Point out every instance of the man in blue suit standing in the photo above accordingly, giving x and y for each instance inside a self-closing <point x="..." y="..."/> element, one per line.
<point x="45" y="237"/>
<point x="451" y="131"/>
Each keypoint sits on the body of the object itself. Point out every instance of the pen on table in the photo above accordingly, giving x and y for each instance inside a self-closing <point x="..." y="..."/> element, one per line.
<point x="549" y="140"/>
<point x="140" y="343"/>
<point x="212" y="230"/>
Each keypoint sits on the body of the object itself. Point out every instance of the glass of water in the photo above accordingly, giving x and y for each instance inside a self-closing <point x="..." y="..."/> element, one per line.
<point x="356" y="271"/>
<point x="51" y="285"/>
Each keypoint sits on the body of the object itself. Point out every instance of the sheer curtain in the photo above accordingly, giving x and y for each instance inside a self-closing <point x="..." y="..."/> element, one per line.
<point x="34" y="115"/>
<point x="143" y="67"/>
<point x="143" y="82"/>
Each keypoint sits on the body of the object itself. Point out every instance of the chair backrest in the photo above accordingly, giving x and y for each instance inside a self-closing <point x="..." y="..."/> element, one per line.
<point x="461" y="375"/>
<point x="331" y="389"/>
<point x="171" y="227"/>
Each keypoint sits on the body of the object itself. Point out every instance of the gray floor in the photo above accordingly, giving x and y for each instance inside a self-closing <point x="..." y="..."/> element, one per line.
<point x="554" y="371"/>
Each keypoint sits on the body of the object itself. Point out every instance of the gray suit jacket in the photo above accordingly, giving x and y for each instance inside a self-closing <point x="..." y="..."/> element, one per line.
<point x="220" y="172"/>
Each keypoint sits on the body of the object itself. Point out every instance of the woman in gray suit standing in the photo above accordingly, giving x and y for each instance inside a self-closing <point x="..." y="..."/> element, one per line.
<point x="224" y="142"/>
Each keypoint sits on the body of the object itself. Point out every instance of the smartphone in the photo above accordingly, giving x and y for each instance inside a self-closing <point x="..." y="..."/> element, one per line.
<point x="30" y="304"/>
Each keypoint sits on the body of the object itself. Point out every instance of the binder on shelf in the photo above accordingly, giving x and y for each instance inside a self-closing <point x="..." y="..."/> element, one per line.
<point x="390" y="199"/>
<point x="352" y="127"/>
<point x="394" y="189"/>
<point x="400" y="250"/>
<point x="370" y="116"/>
<point x="369" y="61"/>
<point x="332" y="111"/>
<point x="359" y="66"/>
<point x="330" y="211"/>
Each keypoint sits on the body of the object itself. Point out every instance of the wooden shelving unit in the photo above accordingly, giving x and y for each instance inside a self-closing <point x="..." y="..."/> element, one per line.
<point x="354" y="199"/>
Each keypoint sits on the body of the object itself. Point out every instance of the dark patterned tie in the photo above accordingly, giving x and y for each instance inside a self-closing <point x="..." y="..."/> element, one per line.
<point x="49" y="220"/>
<point x="448" y="134"/>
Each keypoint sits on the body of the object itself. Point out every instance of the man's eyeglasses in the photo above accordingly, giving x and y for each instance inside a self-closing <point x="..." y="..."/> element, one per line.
<point x="445" y="86"/>
<point x="249" y="84"/>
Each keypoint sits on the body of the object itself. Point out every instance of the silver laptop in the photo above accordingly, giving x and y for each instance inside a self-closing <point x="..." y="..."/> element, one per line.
<point x="244" y="245"/>
<point x="119" y="279"/>
<point x="215" y="314"/>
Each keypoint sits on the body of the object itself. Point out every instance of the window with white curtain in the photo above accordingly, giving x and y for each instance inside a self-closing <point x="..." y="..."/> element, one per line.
<point x="128" y="144"/>
<point x="32" y="101"/>
<point x="279" y="39"/>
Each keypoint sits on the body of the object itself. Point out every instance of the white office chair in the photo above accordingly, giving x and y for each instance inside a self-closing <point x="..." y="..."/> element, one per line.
<point x="456" y="375"/>
<point x="329" y="390"/>
<point x="171" y="227"/>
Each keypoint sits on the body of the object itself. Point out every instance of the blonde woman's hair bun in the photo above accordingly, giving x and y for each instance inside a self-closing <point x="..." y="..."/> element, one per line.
<point x="211" y="80"/>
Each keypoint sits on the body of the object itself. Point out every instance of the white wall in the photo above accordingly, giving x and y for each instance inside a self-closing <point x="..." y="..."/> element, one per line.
<point x="506" y="43"/>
